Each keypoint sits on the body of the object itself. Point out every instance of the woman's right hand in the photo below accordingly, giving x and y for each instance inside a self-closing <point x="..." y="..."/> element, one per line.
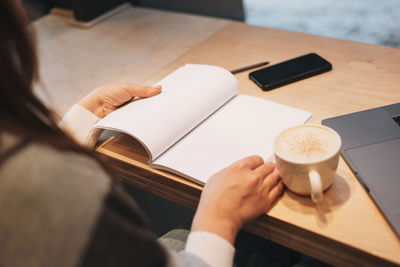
<point x="236" y="195"/>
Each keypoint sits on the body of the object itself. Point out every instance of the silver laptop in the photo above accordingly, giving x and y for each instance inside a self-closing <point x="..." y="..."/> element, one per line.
<point x="371" y="147"/>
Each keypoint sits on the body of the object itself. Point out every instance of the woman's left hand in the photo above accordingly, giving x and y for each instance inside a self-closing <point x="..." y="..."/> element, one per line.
<point x="108" y="98"/>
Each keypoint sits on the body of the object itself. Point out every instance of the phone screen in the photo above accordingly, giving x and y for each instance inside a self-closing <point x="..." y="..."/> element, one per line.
<point x="290" y="71"/>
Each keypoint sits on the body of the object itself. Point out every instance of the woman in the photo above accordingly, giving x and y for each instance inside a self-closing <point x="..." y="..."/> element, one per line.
<point x="58" y="205"/>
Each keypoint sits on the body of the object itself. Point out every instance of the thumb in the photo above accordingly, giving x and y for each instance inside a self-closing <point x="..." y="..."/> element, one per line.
<point x="136" y="90"/>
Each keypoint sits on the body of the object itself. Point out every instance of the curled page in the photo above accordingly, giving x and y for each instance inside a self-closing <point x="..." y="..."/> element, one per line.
<point x="189" y="95"/>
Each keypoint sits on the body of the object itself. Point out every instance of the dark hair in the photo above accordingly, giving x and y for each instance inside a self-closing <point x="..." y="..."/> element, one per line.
<point x="21" y="112"/>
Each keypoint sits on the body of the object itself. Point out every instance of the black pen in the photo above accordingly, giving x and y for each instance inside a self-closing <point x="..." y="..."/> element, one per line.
<point x="249" y="67"/>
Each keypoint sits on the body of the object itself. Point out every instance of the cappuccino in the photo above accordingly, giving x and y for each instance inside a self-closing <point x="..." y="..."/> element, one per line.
<point x="307" y="143"/>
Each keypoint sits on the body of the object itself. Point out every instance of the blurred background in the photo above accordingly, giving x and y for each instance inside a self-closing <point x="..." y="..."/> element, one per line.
<point x="369" y="21"/>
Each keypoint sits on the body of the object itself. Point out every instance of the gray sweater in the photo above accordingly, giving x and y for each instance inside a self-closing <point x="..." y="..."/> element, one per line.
<point x="60" y="208"/>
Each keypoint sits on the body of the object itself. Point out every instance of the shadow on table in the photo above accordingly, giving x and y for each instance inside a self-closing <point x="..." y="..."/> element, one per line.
<point x="334" y="198"/>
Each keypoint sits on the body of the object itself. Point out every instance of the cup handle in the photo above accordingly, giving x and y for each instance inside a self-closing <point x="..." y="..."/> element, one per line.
<point x="316" y="186"/>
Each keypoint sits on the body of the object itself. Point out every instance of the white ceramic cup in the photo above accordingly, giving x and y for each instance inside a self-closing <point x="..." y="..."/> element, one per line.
<point x="307" y="157"/>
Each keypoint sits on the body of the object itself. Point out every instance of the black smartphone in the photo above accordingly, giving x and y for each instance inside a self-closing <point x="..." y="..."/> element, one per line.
<point x="290" y="71"/>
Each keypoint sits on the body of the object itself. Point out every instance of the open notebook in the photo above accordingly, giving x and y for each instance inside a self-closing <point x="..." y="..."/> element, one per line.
<point x="199" y="124"/>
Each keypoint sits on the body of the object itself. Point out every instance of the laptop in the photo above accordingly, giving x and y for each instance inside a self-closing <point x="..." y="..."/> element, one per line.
<point x="371" y="148"/>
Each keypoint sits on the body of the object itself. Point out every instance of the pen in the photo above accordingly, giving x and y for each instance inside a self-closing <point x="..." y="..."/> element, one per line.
<point x="249" y="67"/>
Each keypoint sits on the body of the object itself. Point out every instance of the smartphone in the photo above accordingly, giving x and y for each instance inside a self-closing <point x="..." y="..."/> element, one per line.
<point x="290" y="71"/>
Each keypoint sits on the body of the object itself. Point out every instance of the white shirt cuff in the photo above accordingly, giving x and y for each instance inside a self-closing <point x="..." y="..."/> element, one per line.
<point x="211" y="248"/>
<point x="79" y="122"/>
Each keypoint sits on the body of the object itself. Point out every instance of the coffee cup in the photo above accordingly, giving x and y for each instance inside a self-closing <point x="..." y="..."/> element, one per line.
<point x="307" y="157"/>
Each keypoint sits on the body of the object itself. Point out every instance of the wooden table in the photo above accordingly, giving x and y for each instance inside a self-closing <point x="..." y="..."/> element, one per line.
<point x="131" y="46"/>
<point x="346" y="228"/>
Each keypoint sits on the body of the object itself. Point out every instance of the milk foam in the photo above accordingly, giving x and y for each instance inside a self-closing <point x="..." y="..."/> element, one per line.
<point x="307" y="144"/>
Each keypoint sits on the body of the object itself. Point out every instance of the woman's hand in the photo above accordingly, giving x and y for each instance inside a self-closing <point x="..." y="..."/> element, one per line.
<point x="108" y="98"/>
<point x="236" y="195"/>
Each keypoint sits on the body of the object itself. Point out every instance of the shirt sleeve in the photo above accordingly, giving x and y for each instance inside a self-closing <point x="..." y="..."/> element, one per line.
<point x="79" y="122"/>
<point x="211" y="248"/>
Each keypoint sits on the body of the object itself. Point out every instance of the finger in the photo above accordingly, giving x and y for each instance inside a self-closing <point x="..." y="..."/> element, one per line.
<point x="251" y="162"/>
<point x="276" y="191"/>
<point x="136" y="90"/>
<point x="264" y="169"/>
<point x="272" y="179"/>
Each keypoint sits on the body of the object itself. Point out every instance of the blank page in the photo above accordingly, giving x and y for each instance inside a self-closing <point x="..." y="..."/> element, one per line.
<point x="243" y="127"/>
